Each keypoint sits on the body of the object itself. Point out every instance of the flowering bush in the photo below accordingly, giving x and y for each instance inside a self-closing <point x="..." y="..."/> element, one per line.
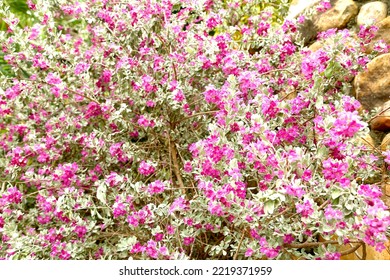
<point x="129" y="130"/>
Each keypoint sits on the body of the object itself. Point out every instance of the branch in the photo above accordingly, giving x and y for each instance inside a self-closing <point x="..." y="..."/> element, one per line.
<point x="176" y="168"/>
<point x="315" y="244"/>
<point x="239" y="245"/>
<point x="378" y="114"/>
<point x="351" y="250"/>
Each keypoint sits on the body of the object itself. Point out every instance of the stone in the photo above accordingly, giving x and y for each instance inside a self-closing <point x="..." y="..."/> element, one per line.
<point x="367" y="141"/>
<point x="372" y="13"/>
<point x="385" y="145"/>
<point x="328" y="42"/>
<point x="371" y="253"/>
<point x="338" y="16"/>
<point x="381" y="122"/>
<point x="383" y="33"/>
<point x="306" y="30"/>
<point x="372" y="87"/>
<point x="298" y="7"/>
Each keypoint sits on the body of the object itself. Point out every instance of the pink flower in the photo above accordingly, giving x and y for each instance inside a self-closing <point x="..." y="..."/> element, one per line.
<point x="143" y="121"/>
<point x="93" y="110"/>
<point x="147" y="84"/>
<point x="305" y="209"/>
<point x="119" y="209"/>
<point x="295" y="190"/>
<point x="113" y="179"/>
<point x="80" y="231"/>
<point x="80" y="68"/>
<point x="179" y="204"/>
<point x="117" y="152"/>
<point x="213" y="22"/>
<point x="158" y="237"/>
<point x="249" y="252"/>
<point x="332" y="256"/>
<point x="52" y="79"/>
<point x="263" y="28"/>
<point x="156" y="187"/>
<point x="170" y="230"/>
<point x="387" y="156"/>
<point x="324" y="6"/>
<point x="34" y="32"/>
<point x="334" y="169"/>
<point x="150" y="103"/>
<point x="132" y="220"/>
<point x="331" y="213"/>
<point x="288" y="238"/>
<point x="188" y="240"/>
<point x="137" y="248"/>
<point x="2" y="223"/>
<point x="146" y="168"/>
<point x="179" y="96"/>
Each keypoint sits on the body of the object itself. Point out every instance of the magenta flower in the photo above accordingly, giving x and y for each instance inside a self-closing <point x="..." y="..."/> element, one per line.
<point x="305" y="209"/>
<point x="80" y="231"/>
<point x="179" y="204"/>
<point x="119" y="209"/>
<point x="249" y="252"/>
<point x="80" y="68"/>
<point x="113" y="179"/>
<point x="334" y="169"/>
<point x="331" y="213"/>
<point x="188" y="240"/>
<point x="52" y="79"/>
<point x="156" y="187"/>
<point x="324" y="6"/>
<point x="146" y="168"/>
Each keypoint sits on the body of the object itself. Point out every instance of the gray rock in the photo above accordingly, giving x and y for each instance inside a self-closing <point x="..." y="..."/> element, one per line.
<point x="372" y="13"/>
<point x="383" y="33"/>
<point x="338" y="16"/>
<point x="372" y="87"/>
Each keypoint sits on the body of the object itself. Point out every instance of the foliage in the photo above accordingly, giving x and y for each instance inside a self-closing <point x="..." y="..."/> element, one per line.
<point x="140" y="134"/>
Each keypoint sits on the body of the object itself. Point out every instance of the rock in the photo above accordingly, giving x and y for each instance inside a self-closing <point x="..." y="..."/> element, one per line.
<point x="338" y="16"/>
<point x="386" y="193"/>
<point x="385" y="145"/>
<point x="298" y="7"/>
<point x="382" y="121"/>
<point x="371" y="253"/>
<point x="306" y="30"/>
<point x="328" y="42"/>
<point x="383" y="33"/>
<point x="367" y="141"/>
<point x="372" y="13"/>
<point x="372" y="87"/>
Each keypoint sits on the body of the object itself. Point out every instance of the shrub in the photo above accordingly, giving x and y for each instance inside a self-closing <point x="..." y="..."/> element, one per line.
<point x="131" y="130"/>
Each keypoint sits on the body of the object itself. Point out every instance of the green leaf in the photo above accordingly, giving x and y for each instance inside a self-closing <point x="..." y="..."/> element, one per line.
<point x="329" y="70"/>
<point x="101" y="193"/>
<point x="269" y="207"/>
<point x="336" y="193"/>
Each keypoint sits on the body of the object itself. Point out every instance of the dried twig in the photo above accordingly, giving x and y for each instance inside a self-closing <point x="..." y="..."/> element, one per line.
<point x="176" y="168"/>
<point x="351" y="250"/>
<point x="315" y="244"/>
<point x="239" y="245"/>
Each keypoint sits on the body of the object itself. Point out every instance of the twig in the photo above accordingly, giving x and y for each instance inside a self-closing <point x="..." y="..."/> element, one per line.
<point x="315" y="244"/>
<point x="364" y="251"/>
<point x="239" y="245"/>
<point x="284" y="97"/>
<point x="351" y="250"/>
<point x="277" y="70"/>
<point x="176" y="169"/>
<point x="197" y="114"/>
<point x="378" y="114"/>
